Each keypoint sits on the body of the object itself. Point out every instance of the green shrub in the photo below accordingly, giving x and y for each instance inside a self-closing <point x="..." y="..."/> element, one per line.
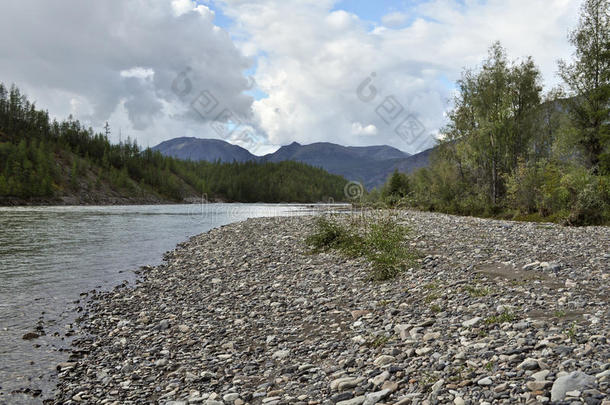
<point x="563" y="193"/>
<point x="380" y="241"/>
<point x="589" y="197"/>
<point x="331" y="234"/>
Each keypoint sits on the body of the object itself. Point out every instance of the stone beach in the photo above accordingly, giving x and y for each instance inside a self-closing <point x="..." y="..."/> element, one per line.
<point x="494" y="312"/>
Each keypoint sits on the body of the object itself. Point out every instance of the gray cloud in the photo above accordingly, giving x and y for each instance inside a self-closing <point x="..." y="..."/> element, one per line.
<point x="79" y="57"/>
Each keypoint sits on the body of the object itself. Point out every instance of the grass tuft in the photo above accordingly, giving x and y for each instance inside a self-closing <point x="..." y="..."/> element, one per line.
<point x="381" y="241"/>
<point x="504" y="317"/>
<point x="477" y="292"/>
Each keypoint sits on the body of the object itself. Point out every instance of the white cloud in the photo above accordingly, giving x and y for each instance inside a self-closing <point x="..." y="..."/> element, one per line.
<point x="359" y="129"/>
<point x="138" y="73"/>
<point x="394" y="20"/>
<point x="117" y="60"/>
<point x="181" y="7"/>
<point x="312" y="60"/>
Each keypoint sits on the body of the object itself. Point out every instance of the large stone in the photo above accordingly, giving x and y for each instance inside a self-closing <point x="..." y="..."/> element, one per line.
<point x="485" y="381"/>
<point x="354" y="401"/>
<point x="423" y="350"/>
<point x="163" y="325"/>
<point x="576" y="380"/>
<point x="281" y="354"/>
<point x="437" y="387"/>
<point x="231" y="397"/>
<point x="552" y="266"/>
<point x="345" y="383"/>
<point x="538" y="385"/>
<point x="380" y="379"/>
<point x="383" y="360"/>
<point x="390" y="385"/>
<point x="30" y="336"/>
<point x="374" y="397"/>
<point x="540" y="375"/>
<point x="431" y="336"/>
<point x="531" y="266"/>
<point x="528" y="364"/>
<point x="471" y="322"/>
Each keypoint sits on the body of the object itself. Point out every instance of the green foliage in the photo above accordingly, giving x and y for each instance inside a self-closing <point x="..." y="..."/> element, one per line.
<point x="572" y="331"/>
<point x="40" y="158"/>
<point x="384" y="247"/>
<point x="378" y="341"/>
<point x="491" y="123"/>
<point x="477" y="292"/>
<point x="504" y="317"/>
<point x="509" y="153"/>
<point x="565" y="193"/>
<point x="380" y="241"/>
<point x="330" y="234"/>
<point x="396" y="189"/>
<point x="588" y="79"/>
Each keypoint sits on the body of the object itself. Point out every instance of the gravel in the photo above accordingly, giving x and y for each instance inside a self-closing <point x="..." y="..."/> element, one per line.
<point x="495" y="312"/>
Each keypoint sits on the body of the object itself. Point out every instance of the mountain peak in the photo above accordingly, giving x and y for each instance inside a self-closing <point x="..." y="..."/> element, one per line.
<point x="211" y="150"/>
<point x="368" y="164"/>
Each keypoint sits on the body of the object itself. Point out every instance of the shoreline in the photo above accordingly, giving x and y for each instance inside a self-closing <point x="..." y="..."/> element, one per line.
<point x="245" y="314"/>
<point x="110" y="201"/>
<point x="128" y="202"/>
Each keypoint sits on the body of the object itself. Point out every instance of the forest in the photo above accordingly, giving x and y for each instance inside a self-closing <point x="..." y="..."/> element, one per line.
<point x="512" y="152"/>
<point x="43" y="160"/>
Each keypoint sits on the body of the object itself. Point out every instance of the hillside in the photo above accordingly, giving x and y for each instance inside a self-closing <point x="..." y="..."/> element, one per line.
<point x="210" y="150"/>
<point x="370" y="165"/>
<point x="46" y="162"/>
<point x="378" y="175"/>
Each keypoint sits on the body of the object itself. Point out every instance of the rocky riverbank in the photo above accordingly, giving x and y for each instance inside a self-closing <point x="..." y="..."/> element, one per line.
<point x="496" y="312"/>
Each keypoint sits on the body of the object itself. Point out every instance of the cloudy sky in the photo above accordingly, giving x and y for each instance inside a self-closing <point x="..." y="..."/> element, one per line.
<point x="269" y="72"/>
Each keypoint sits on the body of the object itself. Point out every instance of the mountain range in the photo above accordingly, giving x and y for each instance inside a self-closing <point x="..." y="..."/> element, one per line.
<point x="370" y="165"/>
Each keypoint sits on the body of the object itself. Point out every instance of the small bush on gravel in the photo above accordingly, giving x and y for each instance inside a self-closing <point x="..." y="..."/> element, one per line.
<point x="381" y="241"/>
<point x="330" y="234"/>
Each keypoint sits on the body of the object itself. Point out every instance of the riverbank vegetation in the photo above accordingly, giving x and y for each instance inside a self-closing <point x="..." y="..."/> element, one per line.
<point x="511" y="151"/>
<point x="43" y="160"/>
<point x="377" y="238"/>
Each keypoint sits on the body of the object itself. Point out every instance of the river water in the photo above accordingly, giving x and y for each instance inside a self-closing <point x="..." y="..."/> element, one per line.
<point x="50" y="255"/>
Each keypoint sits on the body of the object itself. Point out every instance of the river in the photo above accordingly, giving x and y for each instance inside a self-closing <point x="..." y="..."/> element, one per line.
<point x="50" y="255"/>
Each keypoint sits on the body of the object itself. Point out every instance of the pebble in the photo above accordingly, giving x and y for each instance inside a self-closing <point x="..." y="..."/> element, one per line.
<point x="246" y="314"/>
<point x="485" y="381"/>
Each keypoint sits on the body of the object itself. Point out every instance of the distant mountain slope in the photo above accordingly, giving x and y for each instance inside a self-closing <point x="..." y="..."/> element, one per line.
<point x="210" y="150"/>
<point x="379" y="174"/>
<point x="351" y="162"/>
<point x="370" y="165"/>
<point x="326" y="152"/>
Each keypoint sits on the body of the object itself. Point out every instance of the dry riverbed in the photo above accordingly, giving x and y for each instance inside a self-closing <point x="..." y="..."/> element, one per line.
<point x="495" y="312"/>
